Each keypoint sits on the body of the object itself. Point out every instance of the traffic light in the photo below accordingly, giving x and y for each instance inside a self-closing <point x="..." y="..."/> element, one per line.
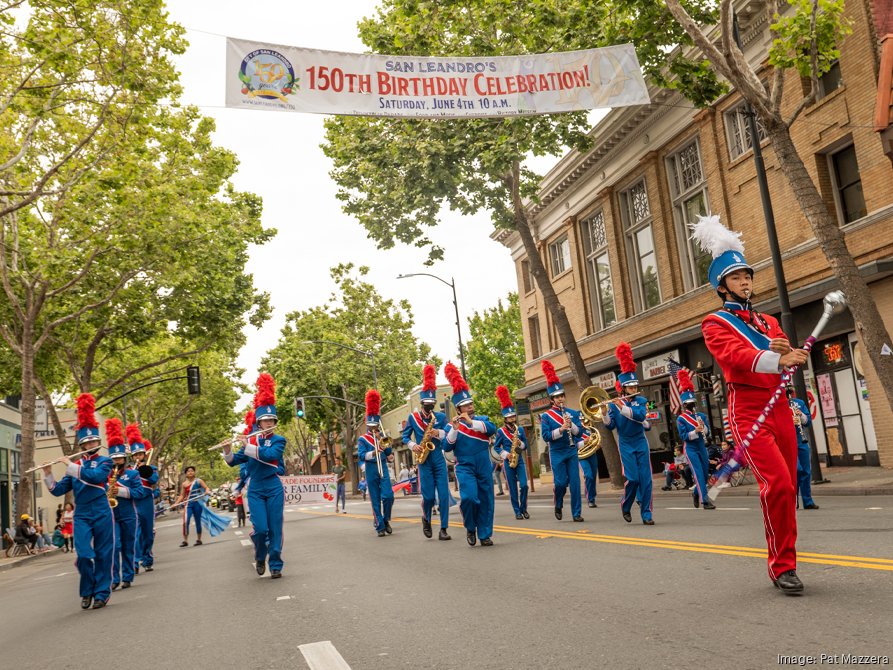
<point x="299" y="408"/>
<point x="193" y="380"/>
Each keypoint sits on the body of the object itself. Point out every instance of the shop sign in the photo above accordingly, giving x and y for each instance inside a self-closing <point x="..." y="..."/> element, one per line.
<point x="539" y="401"/>
<point x="826" y="394"/>
<point x="834" y="353"/>
<point x="606" y="380"/>
<point x="657" y="366"/>
<point x="653" y="416"/>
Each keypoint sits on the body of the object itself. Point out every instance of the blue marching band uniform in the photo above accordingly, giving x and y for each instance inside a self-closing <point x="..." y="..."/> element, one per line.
<point x="802" y="421"/>
<point x="589" y="466"/>
<point x="129" y="489"/>
<point x="515" y="478"/>
<point x="145" y="505"/>
<point x="266" y="497"/>
<point x="562" y="441"/>
<point x="94" y="528"/>
<point x="630" y="421"/>
<point x="371" y="453"/>
<point x="694" y="429"/>
<point x="468" y="438"/>
<point x="433" y="479"/>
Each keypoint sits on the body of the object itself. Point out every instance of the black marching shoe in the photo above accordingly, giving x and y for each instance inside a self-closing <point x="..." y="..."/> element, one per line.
<point x="184" y="543"/>
<point x="592" y="504"/>
<point x="519" y="516"/>
<point x="136" y="570"/>
<point x="387" y="527"/>
<point x="426" y="527"/>
<point x="648" y="522"/>
<point x="99" y="604"/>
<point x="444" y="535"/>
<point x="709" y="505"/>
<point x="578" y="518"/>
<point x="695" y="501"/>
<point x="125" y="585"/>
<point x="487" y="542"/>
<point x="627" y="517"/>
<point x="558" y="513"/>
<point x="471" y="537"/>
<point x="86" y="602"/>
<point x="115" y="586"/>
<point x="197" y="543"/>
<point x="789" y="583"/>
<point x="810" y="506"/>
<point x="261" y="567"/>
<point x="275" y="574"/>
<point x="149" y="568"/>
<point x="381" y="533"/>
<point x="525" y="514"/>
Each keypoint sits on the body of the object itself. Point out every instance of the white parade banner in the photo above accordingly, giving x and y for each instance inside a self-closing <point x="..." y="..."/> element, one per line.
<point x="304" y="489"/>
<point x="291" y="79"/>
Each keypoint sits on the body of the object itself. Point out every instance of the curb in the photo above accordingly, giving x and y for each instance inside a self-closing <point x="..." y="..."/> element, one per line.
<point x="25" y="559"/>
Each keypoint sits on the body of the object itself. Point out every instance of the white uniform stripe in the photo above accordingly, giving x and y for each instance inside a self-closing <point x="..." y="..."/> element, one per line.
<point x="323" y="656"/>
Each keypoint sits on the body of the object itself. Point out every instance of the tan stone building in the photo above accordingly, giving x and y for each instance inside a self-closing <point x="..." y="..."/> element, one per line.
<point x="611" y="228"/>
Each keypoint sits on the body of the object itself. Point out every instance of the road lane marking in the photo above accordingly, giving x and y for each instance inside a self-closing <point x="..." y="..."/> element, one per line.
<point x="61" y="574"/>
<point x="724" y="509"/>
<point x="284" y="598"/>
<point x="238" y="532"/>
<point x="246" y="542"/>
<point x="842" y="560"/>
<point x="323" y="656"/>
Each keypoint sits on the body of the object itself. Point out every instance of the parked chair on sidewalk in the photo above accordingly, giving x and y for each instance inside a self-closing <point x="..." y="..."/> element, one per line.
<point x="16" y="546"/>
<point x="742" y="477"/>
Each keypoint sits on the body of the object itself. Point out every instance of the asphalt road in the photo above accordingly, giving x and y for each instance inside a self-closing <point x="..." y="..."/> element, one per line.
<point x="691" y="591"/>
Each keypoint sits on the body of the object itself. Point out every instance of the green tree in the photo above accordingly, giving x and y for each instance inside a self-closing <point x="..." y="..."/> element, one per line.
<point x="495" y="353"/>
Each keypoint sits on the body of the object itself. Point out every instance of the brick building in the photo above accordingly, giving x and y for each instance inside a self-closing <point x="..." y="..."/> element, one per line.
<point x="611" y="228"/>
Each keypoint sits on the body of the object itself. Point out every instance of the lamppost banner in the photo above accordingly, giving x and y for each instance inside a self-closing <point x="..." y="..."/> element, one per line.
<point x="291" y="79"/>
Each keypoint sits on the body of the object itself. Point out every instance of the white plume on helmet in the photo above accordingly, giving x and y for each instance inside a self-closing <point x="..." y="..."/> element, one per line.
<point x="714" y="237"/>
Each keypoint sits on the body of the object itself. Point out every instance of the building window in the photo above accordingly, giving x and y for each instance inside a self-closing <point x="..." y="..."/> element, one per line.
<point x="848" y="184"/>
<point x="526" y="279"/>
<point x="689" y="190"/>
<point x="533" y="327"/>
<point x="598" y="265"/>
<point x="636" y="214"/>
<point x="738" y="131"/>
<point x="560" y="253"/>
<point x="830" y="81"/>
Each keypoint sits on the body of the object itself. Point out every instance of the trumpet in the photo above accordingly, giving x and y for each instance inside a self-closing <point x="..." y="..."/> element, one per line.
<point x="59" y="460"/>
<point x="232" y="441"/>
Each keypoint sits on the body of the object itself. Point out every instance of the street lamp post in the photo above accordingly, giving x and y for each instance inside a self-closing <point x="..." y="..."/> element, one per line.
<point x="452" y="285"/>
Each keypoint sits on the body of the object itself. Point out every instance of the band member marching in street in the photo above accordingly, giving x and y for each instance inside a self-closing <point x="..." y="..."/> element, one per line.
<point x="430" y="426"/>
<point x="561" y="427"/>
<point x="511" y="444"/>
<point x="694" y="429"/>
<point x="629" y="416"/>
<point x="145" y="505"/>
<point x="264" y="456"/>
<point x="802" y="421"/>
<point x="375" y="452"/>
<point x="191" y="493"/>
<point x="753" y="352"/>
<point x="468" y="437"/>
<point x="94" y="527"/>
<point x="125" y="488"/>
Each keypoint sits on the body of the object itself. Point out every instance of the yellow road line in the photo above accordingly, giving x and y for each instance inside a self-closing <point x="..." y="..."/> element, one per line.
<point x="866" y="562"/>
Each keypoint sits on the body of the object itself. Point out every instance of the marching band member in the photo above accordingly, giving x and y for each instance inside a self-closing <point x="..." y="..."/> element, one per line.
<point x="469" y="438"/>
<point x="693" y="427"/>
<point x="191" y="493"/>
<point x="126" y="488"/>
<point x="560" y="426"/>
<point x="802" y="420"/>
<point x="94" y="527"/>
<point x="516" y="477"/>
<point x="376" y="455"/>
<point x="589" y="466"/>
<point x="264" y="456"/>
<point x="753" y="351"/>
<point x="628" y="416"/>
<point x="145" y="505"/>
<point x="433" y="472"/>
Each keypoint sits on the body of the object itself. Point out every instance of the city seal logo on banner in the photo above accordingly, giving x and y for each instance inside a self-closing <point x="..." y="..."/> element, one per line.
<point x="268" y="75"/>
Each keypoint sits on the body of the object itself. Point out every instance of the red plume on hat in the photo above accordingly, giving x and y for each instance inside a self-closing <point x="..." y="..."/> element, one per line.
<point x="148" y="446"/>
<point x="429" y="378"/>
<point x="249" y="421"/>
<point x="624" y="354"/>
<point x="685" y="381"/>
<point x="114" y="432"/>
<point x="454" y="377"/>
<point x="266" y="390"/>
<point x="549" y="371"/>
<point x="133" y="433"/>
<point x="87" y="411"/>
<point x="373" y="403"/>
<point x="504" y="397"/>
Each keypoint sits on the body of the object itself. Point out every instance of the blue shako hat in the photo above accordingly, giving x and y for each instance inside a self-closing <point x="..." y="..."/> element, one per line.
<point x="553" y="385"/>
<point x="429" y="384"/>
<point x="724" y="245"/>
<point x="373" y="408"/>
<point x="87" y="426"/>
<point x="627" y="376"/>
<point x="265" y="398"/>
<point x="114" y="435"/>
<point x="505" y="401"/>
<point x="135" y="439"/>
<point x="461" y="394"/>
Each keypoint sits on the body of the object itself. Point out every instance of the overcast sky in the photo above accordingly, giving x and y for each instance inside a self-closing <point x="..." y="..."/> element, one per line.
<point x="280" y="160"/>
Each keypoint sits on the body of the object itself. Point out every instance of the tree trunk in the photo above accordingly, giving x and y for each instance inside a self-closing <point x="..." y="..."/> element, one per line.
<point x="870" y="327"/>
<point x="559" y="316"/>
<point x="25" y="490"/>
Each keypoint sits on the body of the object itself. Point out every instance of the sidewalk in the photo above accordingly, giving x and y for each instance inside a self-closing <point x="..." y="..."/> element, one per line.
<point x="7" y="563"/>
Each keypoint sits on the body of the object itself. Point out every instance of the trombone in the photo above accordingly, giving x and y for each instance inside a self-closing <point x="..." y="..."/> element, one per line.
<point x="231" y="441"/>
<point x="59" y="460"/>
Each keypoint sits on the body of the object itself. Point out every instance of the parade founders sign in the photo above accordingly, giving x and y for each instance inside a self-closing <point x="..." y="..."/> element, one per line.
<point x="291" y="79"/>
<point x="308" y="489"/>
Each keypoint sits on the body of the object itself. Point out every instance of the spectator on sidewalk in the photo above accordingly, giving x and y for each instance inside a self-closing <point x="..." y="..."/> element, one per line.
<point x="59" y="513"/>
<point x="402" y="477"/>
<point x="25" y="532"/>
<point x="340" y="475"/>
<point x="68" y="527"/>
